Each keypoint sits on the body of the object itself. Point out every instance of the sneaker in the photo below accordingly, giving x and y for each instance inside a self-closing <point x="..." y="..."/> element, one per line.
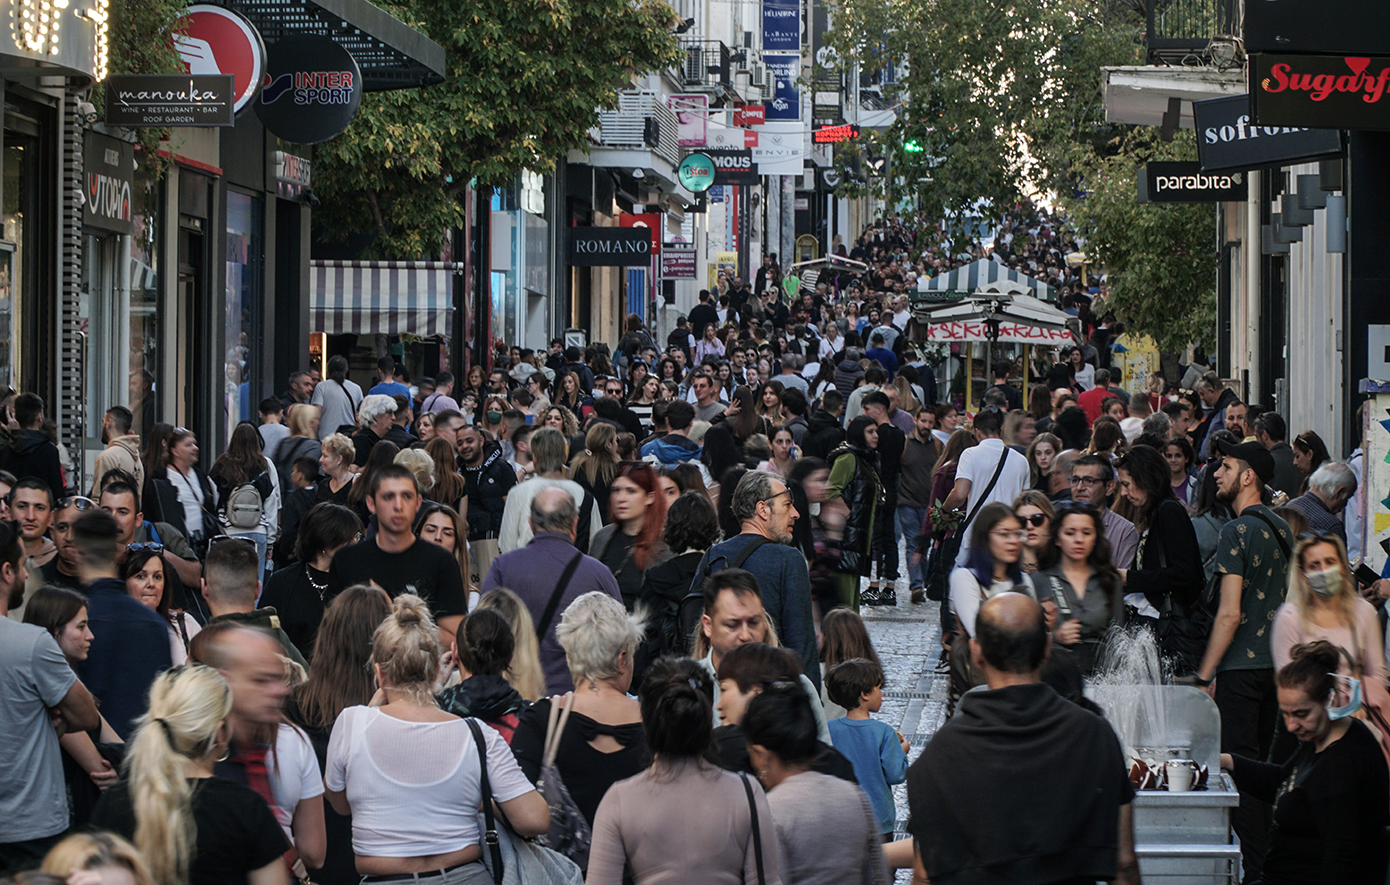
<point x="919" y="595"/>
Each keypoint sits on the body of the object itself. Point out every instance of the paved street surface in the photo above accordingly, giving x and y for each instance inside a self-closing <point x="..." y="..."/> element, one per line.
<point x="907" y="638"/>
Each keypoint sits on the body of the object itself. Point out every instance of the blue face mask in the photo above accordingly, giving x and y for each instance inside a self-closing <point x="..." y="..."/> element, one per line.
<point x="1353" y="699"/>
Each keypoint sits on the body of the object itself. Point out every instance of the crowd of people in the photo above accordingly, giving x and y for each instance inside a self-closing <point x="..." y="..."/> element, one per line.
<point x="613" y="595"/>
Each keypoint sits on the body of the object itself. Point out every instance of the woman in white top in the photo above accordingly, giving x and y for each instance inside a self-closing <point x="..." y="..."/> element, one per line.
<point x="196" y="493"/>
<point x="996" y="542"/>
<point x="408" y="772"/>
<point x="1083" y="372"/>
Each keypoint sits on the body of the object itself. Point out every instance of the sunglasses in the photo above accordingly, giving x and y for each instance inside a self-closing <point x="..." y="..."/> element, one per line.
<point x="81" y="502"/>
<point x="147" y="545"/>
<point x="1037" y="520"/>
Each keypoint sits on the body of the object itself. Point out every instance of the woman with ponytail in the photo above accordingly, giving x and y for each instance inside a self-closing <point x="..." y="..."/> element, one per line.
<point x="192" y="828"/>
<point x="682" y="793"/>
<point x="409" y="773"/>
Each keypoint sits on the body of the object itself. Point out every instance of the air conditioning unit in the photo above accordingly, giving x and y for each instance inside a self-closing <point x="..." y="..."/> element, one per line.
<point x="757" y="75"/>
<point x="694" y="70"/>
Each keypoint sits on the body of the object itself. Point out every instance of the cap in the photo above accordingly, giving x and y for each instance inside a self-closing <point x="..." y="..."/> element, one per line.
<point x="1252" y="453"/>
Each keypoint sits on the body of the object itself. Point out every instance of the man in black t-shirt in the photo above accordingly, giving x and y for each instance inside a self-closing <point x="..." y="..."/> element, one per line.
<point x="398" y="562"/>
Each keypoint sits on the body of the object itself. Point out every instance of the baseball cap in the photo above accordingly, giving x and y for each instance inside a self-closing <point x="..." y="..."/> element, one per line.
<point x="1252" y="453"/>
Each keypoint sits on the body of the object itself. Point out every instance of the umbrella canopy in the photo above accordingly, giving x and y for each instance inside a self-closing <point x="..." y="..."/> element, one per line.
<point x="988" y="276"/>
<point x="1023" y="319"/>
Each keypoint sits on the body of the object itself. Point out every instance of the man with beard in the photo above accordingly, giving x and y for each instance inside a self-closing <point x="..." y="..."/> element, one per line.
<point x="488" y="477"/>
<point x="1252" y="560"/>
<point x="762" y="504"/>
<point x="39" y="688"/>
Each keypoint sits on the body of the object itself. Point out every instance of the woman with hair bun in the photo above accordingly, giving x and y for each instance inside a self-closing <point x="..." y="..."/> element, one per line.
<point x="1330" y="809"/>
<point x="408" y="772"/>
<point x="710" y="808"/>
<point x="484" y="652"/>
<point x="192" y="827"/>
<point x="827" y="832"/>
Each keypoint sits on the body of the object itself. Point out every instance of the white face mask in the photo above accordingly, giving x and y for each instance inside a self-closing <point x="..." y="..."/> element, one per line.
<point x="1326" y="583"/>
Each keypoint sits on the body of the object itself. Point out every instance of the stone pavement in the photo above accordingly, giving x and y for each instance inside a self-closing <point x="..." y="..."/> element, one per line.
<point x="907" y="638"/>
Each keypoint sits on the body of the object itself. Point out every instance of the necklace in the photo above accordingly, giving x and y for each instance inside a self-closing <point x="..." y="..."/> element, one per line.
<point x="320" y="589"/>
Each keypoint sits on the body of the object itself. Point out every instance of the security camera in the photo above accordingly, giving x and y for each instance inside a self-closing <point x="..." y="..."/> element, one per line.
<point x="87" y="110"/>
<point x="639" y="174"/>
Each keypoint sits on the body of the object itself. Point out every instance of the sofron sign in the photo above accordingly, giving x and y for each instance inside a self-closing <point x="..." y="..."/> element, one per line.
<point x="610" y="246"/>
<point x="1228" y="138"/>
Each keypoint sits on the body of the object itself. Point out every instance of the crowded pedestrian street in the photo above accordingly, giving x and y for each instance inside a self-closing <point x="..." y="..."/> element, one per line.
<point x="656" y="442"/>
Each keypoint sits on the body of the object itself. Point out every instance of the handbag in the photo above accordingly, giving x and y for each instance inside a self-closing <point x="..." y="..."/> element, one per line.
<point x="569" y="832"/>
<point x="511" y="859"/>
<point x="757" y="830"/>
<point x="942" y="558"/>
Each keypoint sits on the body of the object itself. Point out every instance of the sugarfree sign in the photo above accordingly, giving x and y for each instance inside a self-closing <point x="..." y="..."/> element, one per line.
<point x="610" y="246"/>
<point x="1327" y="91"/>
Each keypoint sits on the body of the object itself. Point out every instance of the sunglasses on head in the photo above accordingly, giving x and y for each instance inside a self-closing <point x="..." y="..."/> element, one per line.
<point x="148" y="545"/>
<point x="81" y="502"/>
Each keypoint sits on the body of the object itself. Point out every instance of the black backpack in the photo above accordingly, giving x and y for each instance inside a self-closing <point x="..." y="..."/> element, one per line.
<point x="677" y="629"/>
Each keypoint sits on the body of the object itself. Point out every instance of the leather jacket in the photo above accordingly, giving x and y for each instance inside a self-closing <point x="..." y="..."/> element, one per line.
<point x="861" y="495"/>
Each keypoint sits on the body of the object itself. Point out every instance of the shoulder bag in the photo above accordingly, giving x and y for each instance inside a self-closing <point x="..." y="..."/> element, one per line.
<point x="569" y="832"/>
<point x="943" y="553"/>
<point x="510" y="859"/>
<point x="1183" y="628"/>
<point x="549" y="614"/>
<point x="757" y="829"/>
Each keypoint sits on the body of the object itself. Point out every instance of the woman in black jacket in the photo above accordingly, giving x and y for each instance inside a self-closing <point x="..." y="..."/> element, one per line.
<point x="692" y="527"/>
<point x="855" y="481"/>
<point x="1169" y="562"/>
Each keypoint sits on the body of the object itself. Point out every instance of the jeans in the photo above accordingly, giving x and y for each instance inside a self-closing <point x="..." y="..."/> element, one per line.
<point x="910" y="521"/>
<point x="1249" y="708"/>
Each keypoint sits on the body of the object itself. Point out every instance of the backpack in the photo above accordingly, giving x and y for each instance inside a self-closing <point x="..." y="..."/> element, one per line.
<point x="677" y="628"/>
<point x="245" y="504"/>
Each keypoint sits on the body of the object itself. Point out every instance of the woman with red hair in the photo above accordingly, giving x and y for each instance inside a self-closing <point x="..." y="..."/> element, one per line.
<point x="631" y="542"/>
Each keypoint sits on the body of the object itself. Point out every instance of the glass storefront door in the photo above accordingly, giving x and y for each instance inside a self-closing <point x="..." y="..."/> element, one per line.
<point x="243" y="308"/>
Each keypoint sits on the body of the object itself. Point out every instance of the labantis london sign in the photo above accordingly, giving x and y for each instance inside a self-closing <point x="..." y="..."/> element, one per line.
<point x="610" y="246"/>
<point x="1321" y="91"/>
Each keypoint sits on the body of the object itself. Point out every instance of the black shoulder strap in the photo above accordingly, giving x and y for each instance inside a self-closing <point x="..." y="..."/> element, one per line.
<point x="490" y="837"/>
<point x="1283" y="545"/>
<point x="738" y="561"/>
<point x="554" y="603"/>
<point x="757" y="831"/>
<point x="980" y="502"/>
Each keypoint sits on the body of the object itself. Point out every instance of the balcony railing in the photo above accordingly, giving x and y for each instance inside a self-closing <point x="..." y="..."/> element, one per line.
<point x="1182" y="31"/>
<point x="641" y="120"/>
<point x="705" y="66"/>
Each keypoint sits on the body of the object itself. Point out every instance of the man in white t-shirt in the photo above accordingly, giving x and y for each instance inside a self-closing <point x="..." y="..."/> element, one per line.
<point x="976" y="468"/>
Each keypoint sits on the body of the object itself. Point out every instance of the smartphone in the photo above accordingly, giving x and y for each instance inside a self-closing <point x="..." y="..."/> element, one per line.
<point x="1365" y="575"/>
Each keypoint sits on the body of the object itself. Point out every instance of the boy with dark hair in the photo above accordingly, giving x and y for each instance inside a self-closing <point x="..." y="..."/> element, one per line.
<point x="878" y="753"/>
<point x="32" y="453"/>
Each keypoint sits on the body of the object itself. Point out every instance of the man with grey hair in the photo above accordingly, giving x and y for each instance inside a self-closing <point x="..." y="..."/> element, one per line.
<point x="374" y="418"/>
<point x="790" y="376"/>
<point x="762" y="504"/>
<point x="549" y="574"/>
<point x="1159" y="424"/>
<point x="549" y="452"/>
<point x="1329" y="489"/>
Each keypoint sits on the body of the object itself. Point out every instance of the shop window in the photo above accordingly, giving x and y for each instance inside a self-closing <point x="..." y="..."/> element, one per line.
<point x="243" y="309"/>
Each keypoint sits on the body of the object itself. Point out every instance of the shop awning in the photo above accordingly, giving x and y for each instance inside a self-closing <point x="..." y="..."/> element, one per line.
<point x="986" y="275"/>
<point x="382" y="297"/>
<point x="1023" y="319"/>
<point x="392" y="54"/>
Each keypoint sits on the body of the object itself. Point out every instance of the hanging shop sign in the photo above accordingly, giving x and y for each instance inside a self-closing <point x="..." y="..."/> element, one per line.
<point x="313" y="87"/>
<point x="786" y="98"/>
<point x="782" y="26"/>
<point x="734" y="167"/>
<point x="750" y="115"/>
<point x="109" y="166"/>
<point x="677" y="263"/>
<point x="1228" y="138"/>
<point x="1320" y="91"/>
<point x="213" y="40"/>
<point x="835" y="134"/>
<point x="610" y="246"/>
<point x="1187" y="183"/>
<point x="692" y="118"/>
<point x="170" y="100"/>
<point x="781" y="149"/>
<point x="696" y="173"/>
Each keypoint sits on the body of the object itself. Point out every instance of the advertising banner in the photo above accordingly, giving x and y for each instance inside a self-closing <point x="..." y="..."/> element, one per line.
<point x="781" y="149"/>
<point x="1187" y="183"/>
<point x="734" y="167"/>
<point x="786" y="98"/>
<point x="1228" y="139"/>
<point x="782" y="26"/>
<point x="109" y="166"/>
<point x="677" y="263"/>
<point x="213" y="40"/>
<point x="1320" y="91"/>
<point x="1014" y="333"/>
<point x="692" y="118"/>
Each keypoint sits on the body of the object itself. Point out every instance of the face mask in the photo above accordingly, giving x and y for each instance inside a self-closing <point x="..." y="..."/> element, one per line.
<point x="494" y="417"/>
<point x="1326" y="583"/>
<point x="1353" y="699"/>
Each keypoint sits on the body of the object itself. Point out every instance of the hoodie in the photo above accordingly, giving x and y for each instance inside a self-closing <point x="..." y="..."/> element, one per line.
<point x="847" y="375"/>
<point x="823" y="434"/>
<point x="121" y="453"/>
<point x="488" y="698"/>
<point x="32" y="453"/>
<point x="671" y="450"/>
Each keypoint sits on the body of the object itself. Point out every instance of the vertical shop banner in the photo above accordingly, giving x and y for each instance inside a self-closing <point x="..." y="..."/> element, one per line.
<point x="109" y="165"/>
<point x="786" y="98"/>
<point x="692" y="118"/>
<point x="782" y="26"/>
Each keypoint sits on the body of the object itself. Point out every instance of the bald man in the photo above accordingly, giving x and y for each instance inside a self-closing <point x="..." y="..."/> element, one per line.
<point x="1066" y="785"/>
<point x="548" y="574"/>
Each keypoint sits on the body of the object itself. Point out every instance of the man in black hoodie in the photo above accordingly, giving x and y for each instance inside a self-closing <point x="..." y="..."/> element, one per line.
<point x="823" y="431"/>
<point x="1065" y="790"/>
<point x="32" y="453"/>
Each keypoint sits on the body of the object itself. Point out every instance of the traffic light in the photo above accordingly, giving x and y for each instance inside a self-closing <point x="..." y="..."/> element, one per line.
<point x="913" y="147"/>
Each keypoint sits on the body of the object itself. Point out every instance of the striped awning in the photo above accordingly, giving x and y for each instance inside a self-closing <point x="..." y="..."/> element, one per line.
<point x="988" y="275"/>
<point x="382" y="297"/>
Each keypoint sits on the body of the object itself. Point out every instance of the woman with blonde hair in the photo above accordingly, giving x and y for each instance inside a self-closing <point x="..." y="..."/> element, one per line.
<point x="303" y="442"/>
<point x="907" y="399"/>
<point x="106" y="856"/>
<point x="419" y="462"/>
<point x="596" y="465"/>
<point x="335" y="460"/>
<point x="524" y="673"/>
<point x="192" y="827"/>
<point x="562" y="419"/>
<point x="409" y="773"/>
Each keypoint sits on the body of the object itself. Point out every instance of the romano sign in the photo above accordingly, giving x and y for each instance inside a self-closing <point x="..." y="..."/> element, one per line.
<point x="1326" y="91"/>
<point x="610" y="246"/>
<point x="1228" y="139"/>
<point x="1187" y="183"/>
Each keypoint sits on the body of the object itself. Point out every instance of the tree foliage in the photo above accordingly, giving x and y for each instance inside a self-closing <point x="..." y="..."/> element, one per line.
<point x="525" y="81"/>
<point x="141" y="43"/>
<point x="1160" y="257"/>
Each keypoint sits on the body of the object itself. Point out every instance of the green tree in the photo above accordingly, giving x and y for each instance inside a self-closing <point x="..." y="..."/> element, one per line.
<point x="1160" y="257"/>
<point x="140" y="42"/>
<point x="524" y="84"/>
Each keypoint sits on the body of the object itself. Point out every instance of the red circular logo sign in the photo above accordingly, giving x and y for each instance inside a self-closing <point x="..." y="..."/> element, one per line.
<point x="213" y="40"/>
